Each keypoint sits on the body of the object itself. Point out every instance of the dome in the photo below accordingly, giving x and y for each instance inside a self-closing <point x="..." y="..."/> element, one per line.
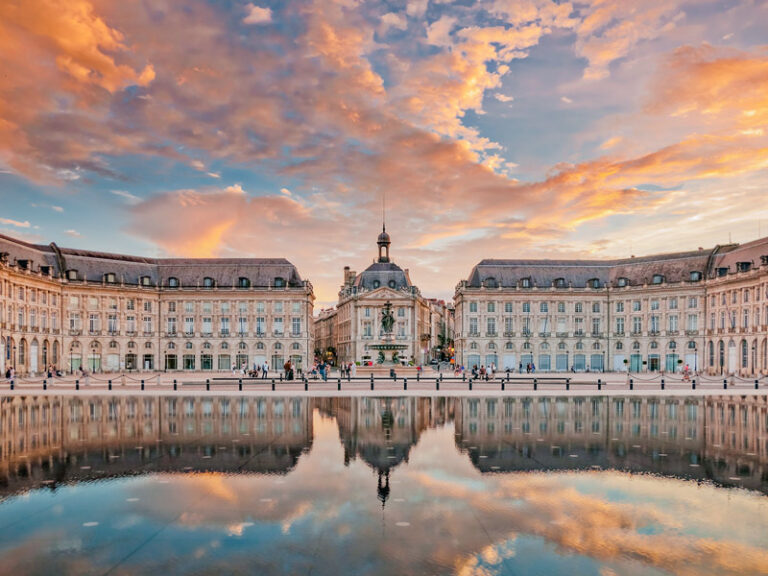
<point x="384" y="238"/>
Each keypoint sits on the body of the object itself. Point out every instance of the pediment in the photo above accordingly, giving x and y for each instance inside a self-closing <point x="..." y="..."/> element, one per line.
<point x="384" y="293"/>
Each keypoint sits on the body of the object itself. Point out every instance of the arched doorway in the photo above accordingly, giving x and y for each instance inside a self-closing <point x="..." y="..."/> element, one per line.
<point x="34" y="350"/>
<point x="733" y="360"/>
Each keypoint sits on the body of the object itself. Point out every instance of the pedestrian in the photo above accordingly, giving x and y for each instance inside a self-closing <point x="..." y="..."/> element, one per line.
<point x="353" y="369"/>
<point x="520" y="368"/>
<point x="264" y="370"/>
<point x="533" y="367"/>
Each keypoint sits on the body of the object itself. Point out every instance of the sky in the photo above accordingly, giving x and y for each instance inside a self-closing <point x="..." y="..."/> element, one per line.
<point x="493" y="129"/>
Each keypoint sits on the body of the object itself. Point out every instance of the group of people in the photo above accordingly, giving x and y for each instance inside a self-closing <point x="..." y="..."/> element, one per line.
<point x="258" y="370"/>
<point x="484" y="373"/>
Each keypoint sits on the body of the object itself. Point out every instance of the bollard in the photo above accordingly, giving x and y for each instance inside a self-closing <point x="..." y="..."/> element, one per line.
<point x="77" y="384"/>
<point x="535" y="384"/>
<point x="240" y="384"/>
<point x="599" y="384"/>
<point x="281" y="376"/>
<point x="463" y="377"/>
<point x="755" y="384"/>
<point x="470" y="383"/>
<point x="437" y="384"/>
<point x="11" y="384"/>
<point x="567" y="384"/>
<point x="502" y="385"/>
<point x="207" y="384"/>
<point x="339" y="386"/>
<point x="306" y="385"/>
<point x="109" y="385"/>
<point x="142" y="384"/>
<point x="631" y="384"/>
<point x="371" y="381"/>
<point x="693" y="384"/>
<point x="418" y="375"/>
<point x="45" y="385"/>
<point x="725" y="384"/>
<point x="174" y="384"/>
<point x="273" y="384"/>
<point x="405" y="383"/>
<point x="662" y="383"/>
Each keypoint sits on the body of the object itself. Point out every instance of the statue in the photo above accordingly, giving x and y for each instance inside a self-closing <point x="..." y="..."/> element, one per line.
<point x="387" y="318"/>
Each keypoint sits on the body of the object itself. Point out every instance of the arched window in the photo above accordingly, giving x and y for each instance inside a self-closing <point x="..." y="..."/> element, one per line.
<point x="259" y="345"/>
<point x="490" y="283"/>
<point x="171" y="346"/>
<point x="672" y="345"/>
<point x="544" y="346"/>
<point x="622" y="282"/>
<point x="243" y="282"/>
<point x="594" y="283"/>
<point x="691" y="345"/>
<point x="173" y="282"/>
<point x="657" y="279"/>
<point x="296" y="346"/>
<point x="579" y="345"/>
<point x="473" y="345"/>
<point x="559" y="283"/>
<point x="527" y="346"/>
<point x="376" y="284"/>
<point x="561" y="346"/>
<point x="744" y="354"/>
<point x="278" y="346"/>
<point x="207" y="345"/>
<point x="113" y="344"/>
<point x="279" y="282"/>
<point x="596" y="346"/>
<point x="509" y="346"/>
<point x="224" y="346"/>
<point x="635" y="345"/>
<point x="654" y="345"/>
<point x="208" y="282"/>
<point x="619" y="346"/>
<point x="711" y="354"/>
<point x="242" y="346"/>
<point x="392" y="284"/>
<point x="491" y="346"/>
<point x="188" y="346"/>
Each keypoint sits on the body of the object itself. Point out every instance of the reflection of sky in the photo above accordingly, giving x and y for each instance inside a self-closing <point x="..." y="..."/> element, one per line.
<point x="442" y="516"/>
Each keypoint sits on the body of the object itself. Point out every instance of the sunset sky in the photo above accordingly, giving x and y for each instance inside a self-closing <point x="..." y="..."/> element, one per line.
<point x="497" y="129"/>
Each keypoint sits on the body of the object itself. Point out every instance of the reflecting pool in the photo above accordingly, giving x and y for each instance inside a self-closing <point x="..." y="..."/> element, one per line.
<point x="247" y="485"/>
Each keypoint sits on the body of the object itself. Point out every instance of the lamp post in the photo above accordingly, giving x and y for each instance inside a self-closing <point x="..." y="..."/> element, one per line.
<point x="603" y="366"/>
<point x="567" y="368"/>
<point x="754" y="357"/>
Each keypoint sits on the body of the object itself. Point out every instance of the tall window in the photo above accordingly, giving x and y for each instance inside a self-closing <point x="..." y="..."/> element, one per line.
<point x="171" y="325"/>
<point x="147" y="324"/>
<point x="473" y="306"/>
<point x="491" y="326"/>
<point x="620" y="325"/>
<point x="295" y="326"/>
<point x="189" y="324"/>
<point x="673" y="323"/>
<point x="473" y="326"/>
<point x="225" y="324"/>
<point x="207" y="325"/>
<point x="278" y="324"/>
<point x="93" y="322"/>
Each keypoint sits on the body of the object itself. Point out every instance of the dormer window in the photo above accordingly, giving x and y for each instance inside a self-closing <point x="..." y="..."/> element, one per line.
<point x="110" y="278"/>
<point x="594" y="283"/>
<point x="526" y="283"/>
<point x="392" y="284"/>
<point x="208" y="282"/>
<point x="243" y="282"/>
<point x="622" y="282"/>
<point x="695" y="276"/>
<point x="23" y="264"/>
<point x="173" y="282"/>
<point x="559" y="283"/>
<point x="279" y="282"/>
<point x="45" y="270"/>
<point x="490" y="283"/>
<point x="71" y="274"/>
<point x="145" y="281"/>
<point x="764" y="259"/>
<point x="722" y="271"/>
<point x="376" y="284"/>
<point x="744" y="266"/>
<point x="657" y="279"/>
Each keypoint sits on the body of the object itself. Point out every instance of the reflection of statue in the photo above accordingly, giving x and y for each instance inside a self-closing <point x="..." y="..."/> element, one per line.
<point x="383" y="487"/>
<point x="387" y="318"/>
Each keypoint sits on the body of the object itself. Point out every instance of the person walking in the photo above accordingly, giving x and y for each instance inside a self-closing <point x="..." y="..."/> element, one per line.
<point x="264" y="370"/>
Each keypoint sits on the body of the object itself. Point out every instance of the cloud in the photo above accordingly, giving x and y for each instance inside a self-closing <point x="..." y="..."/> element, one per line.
<point x="504" y="98"/>
<point x="17" y="223"/>
<point x="127" y="196"/>
<point x="393" y="20"/>
<point x="73" y="233"/>
<point x="611" y="143"/>
<point x="285" y="192"/>
<point x="416" y="8"/>
<point x="439" y="32"/>
<point x="566" y="100"/>
<point x="258" y="15"/>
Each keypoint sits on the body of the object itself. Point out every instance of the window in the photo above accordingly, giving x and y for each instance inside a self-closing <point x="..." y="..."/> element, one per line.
<point x="595" y="325"/>
<point x="189" y="325"/>
<point x="526" y="283"/>
<point x="109" y="278"/>
<point x="636" y="307"/>
<point x="693" y="302"/>
<point x="130" y="304"/>
<point x="508" y="307"/>
<point x="526" y="307"/>
<point x="654" y="304"/>
<point x="653" y="324"/>
<point x="224" y="325"/>
<point x="621" y="282"/>
<point x="491" y="307"/>
<point x="207" y="282"/>
<point x="473" y="327"/>
<point x="147" y="324"/>
<point x="171" y="324"/>
<point x="296" y="326"/>
<point x="620" y="325"/>
<point x="207" y="325"/>
<point x="559" y="283"/>
<point x="543" y="307"/>
<point x="401" y="312"/>
<point x="473" y="306"/>
<point x="673" y="323"/>
<point x="147" y="306"/>
<point x="491" y="327"/>
<point x="594" y="283"/>
<point x="146" y="281"/>
<point x="578" y="308"/>
<point x="695" y="276"/>
<point x="596" y="307"/>
<point x="296" y="307"/>
<point x="561" y="307"/>
<point x="657" y="279"/>
<point x="71" y="274"/>
<point x="279" y="282"/>
<point x="672" y="302"/>
<point x="619" y="306"/>
<point x="243" y="282"/>
<point x="636" y="324"/>
<point x="173" y="282"/>
<point x="277" y="307"/>
<point x="278" y="326"/>
<point x="490" y="283"/>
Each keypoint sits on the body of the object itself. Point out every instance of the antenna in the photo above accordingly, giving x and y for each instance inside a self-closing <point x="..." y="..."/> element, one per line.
<point x="384" y="210"/>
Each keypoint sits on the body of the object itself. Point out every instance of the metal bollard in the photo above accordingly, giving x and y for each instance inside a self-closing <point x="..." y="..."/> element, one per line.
<point x="463" y="377"/>
<point x="631" y="384"/>
<point x="174" y="384"/>
<point x="306" y="385"/>
<point x="371" y="381"/>
<point x="207" y="384"/>
<point x="142" y="384"/>
<point x="240" y="384"/>
<point x="535" y="384"/>
<point x="599" y="384"/>
<point x="45" y="385"/>
<point x="662" y="383"/>
<point x="273" y="384"/>
<point x="437" y="384"/>
<point x="693" y="384"/>
<point x="725" y="384"/>
<point x="339" y="386"/>
<point x="502" y="385"/>
<point x="755" y="384"/>
<point x="405" y="383"/>
<point x="109" y="385"/>
<point x="77" y="384"/>
<point x="470" y="383"/>
<point x="281" y="376"/>
<point x="418" y="375"/>
<point x="567" y="384"/>
<point x="11" y="384"/>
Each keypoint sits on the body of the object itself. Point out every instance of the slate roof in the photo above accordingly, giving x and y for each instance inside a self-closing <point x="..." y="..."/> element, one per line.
<point x="675" y="267"/>
<point x="92" y="266"/>
<point x="383" y="273"/>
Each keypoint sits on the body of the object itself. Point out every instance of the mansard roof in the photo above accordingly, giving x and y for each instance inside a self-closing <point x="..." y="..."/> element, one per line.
<point x="93" y="266"/>
<point x="382" y="273"/>
<point x="675" y="267"/>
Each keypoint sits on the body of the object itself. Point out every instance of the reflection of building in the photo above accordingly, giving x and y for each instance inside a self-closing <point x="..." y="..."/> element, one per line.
<point x="354" y="328"/>
<point x="720" y="438"/>
<point x="648" y="313"/>
<point x="110" y="312"/>
<point x="72" y="438"/>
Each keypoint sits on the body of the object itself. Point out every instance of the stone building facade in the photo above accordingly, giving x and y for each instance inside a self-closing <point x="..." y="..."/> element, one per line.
<point x="705" y="308"/>
<point x="353" y="329"/>
<point x="109" y="312"/>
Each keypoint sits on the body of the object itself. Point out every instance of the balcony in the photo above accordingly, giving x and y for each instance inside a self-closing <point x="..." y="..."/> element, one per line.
<point x="172" y="334"/>
<point x="94" y="332"/>
<point x="636" y="333"/>
<point x="691" y="332"/>
<point x="653" y="333"/>
<point x="596" y="334"/>
<point x="619" y="334"/>
<point x="113" y="332"/>
<point x="278" y="333"/>
<point x="260" y="334"/>
<point x="189" y="334"/>
<point x="147" y="334"/>
<point x="578" y="332"/>
<point x="473" y="334"/>
<point x="561" y="334"/>
<point x="75" y="332"/>
<point x="295" y="334"/>
<point x="544" y="334"/>
<point x="206" y="334"/>
<point x="673" y="332"/>
<point x="242" y="334"/>
<point x="493" y="334"/>
<point x="367" y="337"/>
<point x="509" y="334"/>
<point x="224" y="334"/>
<point x="130" y="333"/>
